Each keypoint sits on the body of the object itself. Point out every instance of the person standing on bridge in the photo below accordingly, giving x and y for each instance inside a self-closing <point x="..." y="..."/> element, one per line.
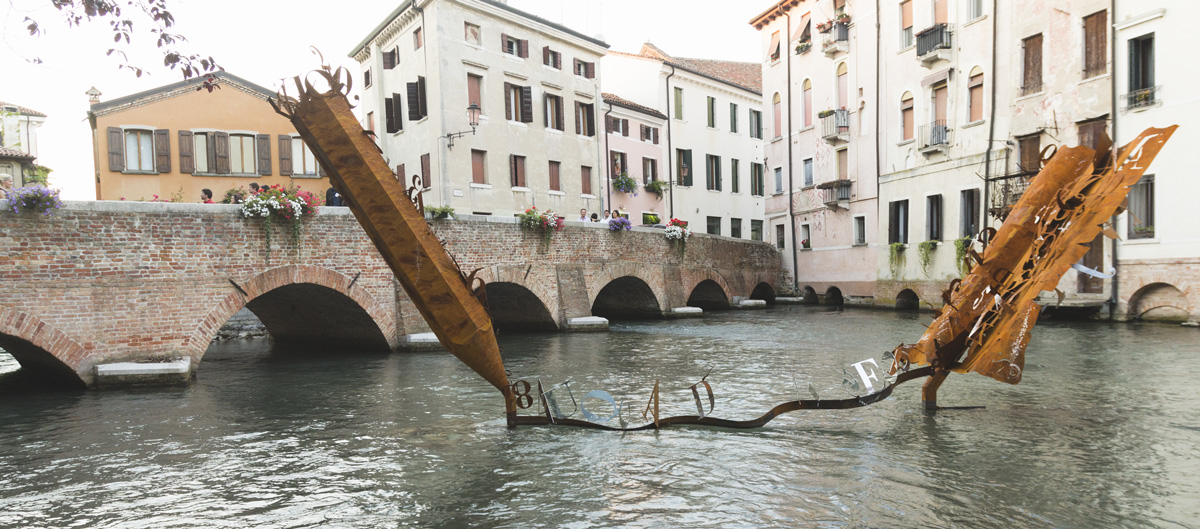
<point x="583" y="216"/>
<point x="253" y="188"/>
<point x="206" y="196"/>
<point x="333" y="198"/>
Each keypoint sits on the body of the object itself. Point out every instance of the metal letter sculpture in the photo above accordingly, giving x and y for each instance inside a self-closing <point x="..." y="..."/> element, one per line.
<point x="983" y="327"/>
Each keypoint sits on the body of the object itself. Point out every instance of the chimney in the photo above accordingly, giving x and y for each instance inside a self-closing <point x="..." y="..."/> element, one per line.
<point x="93" y="95"/>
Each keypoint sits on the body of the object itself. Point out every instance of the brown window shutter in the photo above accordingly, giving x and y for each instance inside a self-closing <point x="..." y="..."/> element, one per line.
<point x="503" y="43"/>
<point x="508" y="101"/>
<point x="591" y="70"/>
<point x="264" y="154"/>
<point x="389" y="115"/>
<point x="546" y="110"/>
<point x="578" y="122"/>
<point x="116" y="149"/>
<point x="526" y="104"/>
<point x="212" y="152"/>
<point x="546" y="55"/>
<point x="558" y="119"/>
<point x="523" y="49"/>
<point x="162" y="150"/>
<point x="187" y="163"/>
<point x="608" y="124"/>
<point x="400" y="176"/>
<point x="625" y="127"/>
<point x="574" y="66"/>
<point x="221" y="152"/>
<point x="590" y="116"/>
<point x="585" y="174"/>
<point x="655" y="135"/>
<point x="397" y="108"/>
<point x="512" y="170"/>
<point x="285" y="155"/>
<point x="421" y="89"/>
<point x="389" y="60"/>
<point x="426" y="178"/>
<point x="414" y="107"/>
<point x="555" y="184"/>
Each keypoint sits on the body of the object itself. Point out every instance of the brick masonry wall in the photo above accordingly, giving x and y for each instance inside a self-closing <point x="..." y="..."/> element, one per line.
<point x="1170" y="285"/>
<point x="101" y="282"/>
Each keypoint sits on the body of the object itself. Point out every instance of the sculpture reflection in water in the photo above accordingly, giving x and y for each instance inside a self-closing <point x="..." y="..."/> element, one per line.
<point x="983" y="326"/>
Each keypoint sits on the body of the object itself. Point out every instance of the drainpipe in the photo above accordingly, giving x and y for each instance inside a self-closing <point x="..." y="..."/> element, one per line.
<point x="878" y="156"/>
<point x="987" y="149"/>
<point x="788" y="142"/>
<point x="670" y="151"/>
<point x="1116" y="298"/>
<point x="608" y="155"/>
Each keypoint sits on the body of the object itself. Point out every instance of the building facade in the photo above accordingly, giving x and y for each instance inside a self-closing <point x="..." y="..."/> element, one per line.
<point x="536" y="85"/>
<point x="712" y="138"/>
<point x="1158" y="258"/>
<point x="633" y="146"/>
<point x="171" y="142"/>
<point x="819" y="89"/>
<point x="18" y="142"/>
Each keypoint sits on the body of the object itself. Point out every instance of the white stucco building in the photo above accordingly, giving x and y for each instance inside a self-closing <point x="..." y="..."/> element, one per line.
<point x="633" y="145"/>
<point x="714" y="130"/>
<point x="18" y="141"/>
<point x="536" y="83"/>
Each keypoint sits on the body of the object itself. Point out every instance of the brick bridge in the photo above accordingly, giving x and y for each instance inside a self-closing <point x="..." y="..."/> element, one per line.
<point x="103" y="282"/>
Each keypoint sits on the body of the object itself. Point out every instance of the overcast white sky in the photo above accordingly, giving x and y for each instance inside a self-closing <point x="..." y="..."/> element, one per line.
<point x="268" y="40"/>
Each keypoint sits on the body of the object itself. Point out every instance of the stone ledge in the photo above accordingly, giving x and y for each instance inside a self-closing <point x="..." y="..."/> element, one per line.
<point x="789" y="300"/>
<point x="423" y="341"/>
<point x="587" y="324"/>
<point x="752" y="304"/>
<point x="685" y="312"/>
<point x="177" y="372"/>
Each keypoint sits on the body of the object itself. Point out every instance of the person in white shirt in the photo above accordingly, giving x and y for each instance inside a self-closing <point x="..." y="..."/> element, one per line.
<point x="583" y="216"/>
<point x="605" y="218"/>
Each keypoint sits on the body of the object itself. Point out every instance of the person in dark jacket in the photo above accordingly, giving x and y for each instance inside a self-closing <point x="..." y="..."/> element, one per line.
<point x="333" y="198"/>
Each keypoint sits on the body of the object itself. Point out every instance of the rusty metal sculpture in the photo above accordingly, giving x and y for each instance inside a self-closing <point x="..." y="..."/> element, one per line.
<point x="983" y="327"/>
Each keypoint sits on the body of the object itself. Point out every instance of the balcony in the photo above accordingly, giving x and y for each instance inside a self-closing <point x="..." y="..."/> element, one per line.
<point x="934" y="137"/>
<point x="1004" y="192"/>
<point x="836" y="194"/>
<point x="1144" y="98"/>
<point x="836" y="40"/>
<point x="835" y="126"/>
<point x="933" y="44"/>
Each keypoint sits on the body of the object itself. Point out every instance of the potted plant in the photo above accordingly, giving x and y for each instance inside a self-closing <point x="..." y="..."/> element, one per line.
<point x="545" y="222"/>
<point x="625" y="184"/>
<point x="440" y="212"/>
<point x="896" y="259"/>
<point x="805" y="245"/>
<point x="677" y="231"/>
<point x="961" y="248"/>
<point x="35" y="198"/>
<point x="825" y="113"/>
<point x="277" y="203"/>
<point x="619" y="224"/>
<point x="658" y="187"/>
<point x="825" y="26"/>
<point x="803" y="46"/>
<point x="650" y="219"/>
<point x="843" y="18"/>
<point x="925" y="255"/>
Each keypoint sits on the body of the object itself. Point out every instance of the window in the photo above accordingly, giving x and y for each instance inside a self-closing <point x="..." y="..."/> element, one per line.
<point x="713" y="172"/>
<point x="204" y="153"/>
<point x="714" y="225"/>
<point x="555" y="180"/>
<point x="514" y="46"/>
<point x="974" y="9"/>
<point x="518" y="103"/>
<point x="756" y="124"/>
<point x="139" y="151"/>
<point x="939" y="12"/>
<point x="1140" y="219"/>
<point x="417" y="104"/>
<point x="756" y="233"/>
<point x="618" y="166"/>
<point x="391" y="58"/>
<point x="303" y="161"/>
<point x="1031" y="83"/>
<point x="804" y="234"/>
<point x="757" y="186"/>
<point x="933" y="218"/>
<point x="1090" y="132"/>
<point x="367" y="78"/>
<point x="970" y="212"/>
<point x="777" y="108"/>
<point x="392" y="116"/>
<point x="941" y="99"/>
<point x="585" y="69"/>
<point x="585" y="176"/>
<point x="475" y="90"/>
<point x="898" y="222"/>
<point x="843" y="164"/>
<point x="551" y="58"/>
<point x="975" y="97"/>
<point x="478" y="167"/>
<point x="1141" y="72"/>
<point x="906" y="24"/>
<point x="554" y="112"/>
<point x="683" y="167"/>
<point x="1030" y="153"/>
<point x="734" y="185"/>
<point x="585" y="119"/>
<point x="778" y="180"/>
<point x="418" y="40"/>
<point x="733" y="121"/>
<point x="843" y="86"/>
<point x="779" y="239"/>
<point x="808" y="172"/>
<point x="735" y="228"/>
<point x="678" y="103"/>
<point x="471" y="34"/>
<point x="241" y="154"/>
<point x="1095" y="44"/>
<point x="906" y="115"/>
<point x="773" y="50"/>
<point x="616" y="125"/>
<point x="649" y="133"/>
<point x="371" y="121"/>
<point x="860" y="231"/>
<point x="516" y="170"/>
<point x="808" y="104"/>
<point x="712" y="112"/>
<point x="649" y="170"/>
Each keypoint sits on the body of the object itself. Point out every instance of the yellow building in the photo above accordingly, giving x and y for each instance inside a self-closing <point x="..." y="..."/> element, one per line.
<point x="177" y="139"/>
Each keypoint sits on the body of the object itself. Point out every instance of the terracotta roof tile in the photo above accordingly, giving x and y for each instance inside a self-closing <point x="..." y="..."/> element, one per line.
<point x="614" y="99"/>
<point x="6" y="152"/>
<point x="747" y="75"/>
<point x="24" y="111"/>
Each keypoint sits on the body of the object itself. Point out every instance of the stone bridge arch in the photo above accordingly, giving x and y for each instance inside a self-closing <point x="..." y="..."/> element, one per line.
<point x="701" y="286"/>
<point x="39" y="346"/>
<point x="306" y="304"/>
<point x="1160" y="300"/>
<point x="630" y="274"/>
<point x="523" y="297"/>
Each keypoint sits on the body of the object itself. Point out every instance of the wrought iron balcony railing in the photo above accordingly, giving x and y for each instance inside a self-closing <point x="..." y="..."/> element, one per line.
<point x="1146" y="97"/>
<point x="835" y="127"/>
<point x="935" y="136"/>
<point x="835" y="192"/>
<point x="836" y="40"/>
<point x="933" y="39"/>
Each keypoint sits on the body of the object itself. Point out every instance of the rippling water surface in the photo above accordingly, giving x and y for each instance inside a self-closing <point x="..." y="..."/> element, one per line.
<point x="1102" y="432"/>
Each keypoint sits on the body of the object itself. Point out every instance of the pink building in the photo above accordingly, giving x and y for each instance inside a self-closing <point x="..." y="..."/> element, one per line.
<point x="633" y="145"/>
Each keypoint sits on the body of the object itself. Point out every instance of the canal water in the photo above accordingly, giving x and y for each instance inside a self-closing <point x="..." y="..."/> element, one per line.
<point x="1103" y="432"/>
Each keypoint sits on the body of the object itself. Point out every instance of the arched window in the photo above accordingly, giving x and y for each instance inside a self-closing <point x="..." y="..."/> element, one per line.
<point x="843" y="86"/>
<point x="808" y="105"/>
<point x="975" y="95"/>
<point x="906" y="115"/>
<point x="778" y="108"/>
